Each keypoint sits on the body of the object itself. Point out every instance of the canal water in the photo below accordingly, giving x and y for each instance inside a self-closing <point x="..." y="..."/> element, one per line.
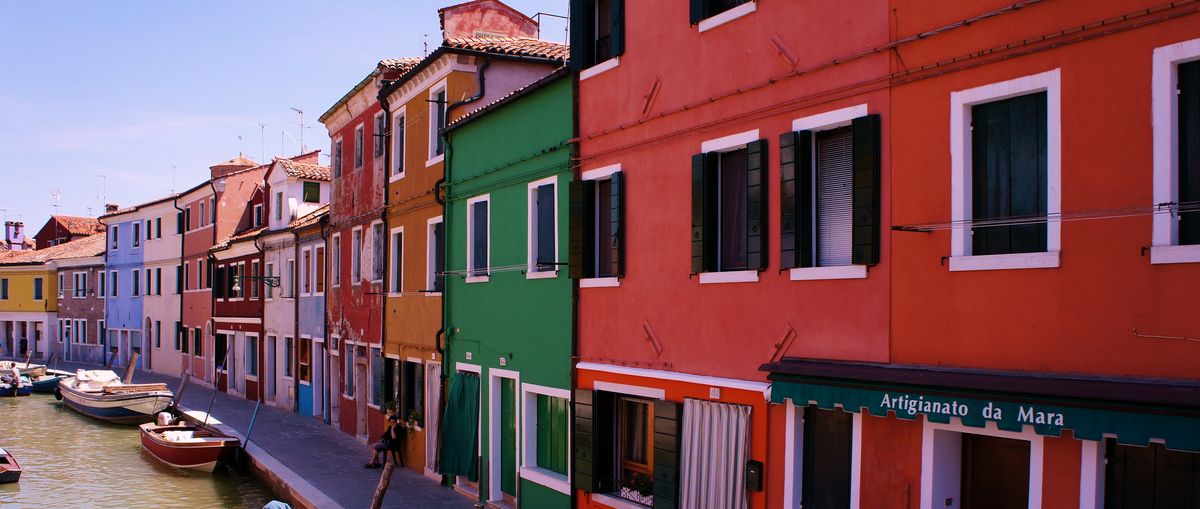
<point x="76" y="461"/>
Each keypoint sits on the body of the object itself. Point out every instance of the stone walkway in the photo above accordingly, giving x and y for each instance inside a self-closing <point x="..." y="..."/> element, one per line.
<point x="327" y="460"/>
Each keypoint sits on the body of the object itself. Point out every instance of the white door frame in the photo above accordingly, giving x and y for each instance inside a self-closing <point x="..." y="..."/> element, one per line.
<point x="494" y="428"/>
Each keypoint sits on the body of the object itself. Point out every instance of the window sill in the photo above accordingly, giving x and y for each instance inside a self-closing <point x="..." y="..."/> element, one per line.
<point x="599" y="68"/>
<point x="433" y="294"/>
<point x="735" y="276"/>
<point x="552" y="480"/>
<point x="1046" y="260"/>
<point x="822" y="273"/>
<point x="435" y="160"/>
<point x="1161" y="255"/>
<point x="543" y="274"/>
<point x="395" y="177"/>
<point x="600" y="282"/>
<point x="477" y="279"/>
<point x="615" y="502"/>
<point x="727" y="16"/>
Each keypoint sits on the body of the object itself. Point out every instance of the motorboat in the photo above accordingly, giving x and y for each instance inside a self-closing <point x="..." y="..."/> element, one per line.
<point x="190" y="446"/>
<point x="103" y="395"/>
<point x="10" y="470"/>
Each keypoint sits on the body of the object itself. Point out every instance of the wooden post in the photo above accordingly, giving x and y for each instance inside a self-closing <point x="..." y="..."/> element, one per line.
<point x="128" y="377"/>
<point x="384" y="480"/>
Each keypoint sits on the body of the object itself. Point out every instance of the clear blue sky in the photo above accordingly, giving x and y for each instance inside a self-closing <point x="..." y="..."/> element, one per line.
<point x="131" y="89"/>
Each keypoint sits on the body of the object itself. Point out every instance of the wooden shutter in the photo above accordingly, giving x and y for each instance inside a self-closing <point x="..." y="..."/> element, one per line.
<point x="616" y="32"/>
<point x="617" y="217"/>
<point x="581" y="247"/>
<point x="756" y="205"/>
<point x="788" y="201"/>
<point x="583" y="34"/>
<point x="704" y="205"/>
<point x="584" y="441"/>
<point x="1008" y="173"/>
<point x="805" y="220"/>
<point x="865" y="250"/>
<point x="826" y="457"/>
<point x="668" y="416"/>
<point x="1189" y="150"/>
<point x="698" y="10"/>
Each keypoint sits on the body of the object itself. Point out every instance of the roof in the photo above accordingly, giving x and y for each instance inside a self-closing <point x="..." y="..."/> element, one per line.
<point x="512" y="96"/>
<point x="400" y="65"/>
<point x="310" y="218"/>
<point x="126" y="210"/>
<point x="516" y="46"/>
<point x="238" y="161"/>
<point x="248" y="234"/>
<point x="303" y="171"/>
<point x="442" y="20"/>
<point x="78" y="225"/>
<point x="92" y="245"/>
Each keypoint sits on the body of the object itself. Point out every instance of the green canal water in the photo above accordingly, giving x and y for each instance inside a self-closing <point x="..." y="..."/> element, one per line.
<point x="76" y="461"/>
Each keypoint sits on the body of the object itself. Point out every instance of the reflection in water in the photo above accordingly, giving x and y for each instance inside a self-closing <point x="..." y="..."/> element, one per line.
<point x="76" y="461"/>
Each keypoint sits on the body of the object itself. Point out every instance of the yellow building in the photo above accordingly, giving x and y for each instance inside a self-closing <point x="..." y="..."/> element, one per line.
<point x="28" y="303"/>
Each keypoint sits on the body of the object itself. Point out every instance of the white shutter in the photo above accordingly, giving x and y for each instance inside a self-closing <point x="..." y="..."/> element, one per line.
<point x="712" y="463"/>
<point x="835" y="192"/>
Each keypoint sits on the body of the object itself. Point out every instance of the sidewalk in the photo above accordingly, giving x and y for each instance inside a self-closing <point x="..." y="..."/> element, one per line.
<point x="304" y="451"/>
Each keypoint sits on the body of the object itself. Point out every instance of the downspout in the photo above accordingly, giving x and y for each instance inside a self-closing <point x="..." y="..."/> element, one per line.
<point x="576" y="173"/>
<point x="383" y="216"/>
<point x="212" y="299"/>
<point x="296" y="340"/>
<point x="181" y="284"/>
<point x="325" y="410"/>
<point x="262" y="343"/>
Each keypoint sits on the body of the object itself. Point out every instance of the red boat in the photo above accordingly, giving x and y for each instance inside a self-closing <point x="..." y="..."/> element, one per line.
<point x="188" y="446"/>
<point x="10" y="470"/>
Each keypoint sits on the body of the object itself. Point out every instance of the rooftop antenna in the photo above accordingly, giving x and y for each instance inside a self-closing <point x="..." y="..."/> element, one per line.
<point x="55" y="196"/>
<point x="103" y="191"/>
<point x="239" y="145"/>
<point x="426" y="43"/>
<point x="262" y="136"/>
<point x="302" y="128"/>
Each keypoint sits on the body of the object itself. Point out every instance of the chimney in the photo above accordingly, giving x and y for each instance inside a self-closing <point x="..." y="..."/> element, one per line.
<point x="109" y="208"/>
<point x="485" y="18"/>
<point x="14" y="233"/>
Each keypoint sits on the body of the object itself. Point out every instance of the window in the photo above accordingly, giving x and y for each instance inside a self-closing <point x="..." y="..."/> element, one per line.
<point x="180" y="336"/>
<point x="358" y="147"/>
<point x="377" y="252"/>
<point x="258" y="214"/>
<point x="335" y="269"/>
<point x="337" y="159"/>
<point x="412" y="397"/>
<point x="114" y="236"/>
<point x="1176" y="121"/>
<point x="290" y="289"/>
<point x="182" y="278"/>
<point x="477" y="235"/>
<point x="306" y="272"/>
<point x="305" y="359"/>
<point x="187" y="214"/>
<point x="728" y="206"/>
<point x="437" y="120"/>
<point x="546" y="433"/>
<point x="255" y="279"/>
<point x="279" y="206"/>
<point x="149" y="283"/>
<point x="38" y="294"/>
<point x="288" y="344"/>
<point x="101" y="290"/>
<point x="598" y="211"/>
<point x="112" y="279"/>
<point x="80" y="282"/>
<point x="81" y="331"/>
<point x="137" y="233"/>
<point x="270" y="273"/>
<point x="66" y="331"/>
<point x="380" y="128"/>
<point x="136" y="285"/>
<point x="101" y="332"/>
<point x="158" y="227"/>
<point x="635" y="449"/>
<point x="709" y="8"/>
<point x="356" y="255"/>
<point x="597" y="33"/>
<point x="435" y="255"/>
<point x="212" y="210"/>
<point x="62" y="287"/>
<point x="198" y="340"/>
<point x="319" y="269"/>
<point x="178" y="223"/>
<point x="149" y="230"/>
<point x="251" y="355"/>
<point x="202" y="215"/>
<point x="376" y="377"/>
<point x="157" y="334"/>
<point x="397" y="266"/>
<point x="543" y="228"/>
<point x="348" y="370"/>
<point x="311" y="192"/>
<point x="158" y="281"/>
<point x="981" y="467"/>
<point x="1005" y="174"/>
<point x="398" y="145"/>
<point x="199" y="274"/>
<point x="4" y="289"/>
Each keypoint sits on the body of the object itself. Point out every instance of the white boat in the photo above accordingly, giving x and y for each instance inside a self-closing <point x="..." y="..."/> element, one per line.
<point x="102" y="394"/>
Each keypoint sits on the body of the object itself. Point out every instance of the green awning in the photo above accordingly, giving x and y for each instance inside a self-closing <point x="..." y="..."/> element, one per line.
<point x="460" y="428"/>
<point x="1088" y="420"/>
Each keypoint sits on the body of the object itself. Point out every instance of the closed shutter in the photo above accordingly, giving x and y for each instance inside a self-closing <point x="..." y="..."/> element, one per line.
<point x="697" y="10"/>
<point x="552" y="434"/>
<point x="756" y="205"/>
<point x="835" y="214"/>
<point x="616" y="218"/>
<point x="1008" y="174"/>
<point x="1189" y="151"/>
<point x="866" y="190"/>
<point x="584" y="441"/>
<point x="617" y="33"/>
<point x="583" y="34"/>
<point x="827" y="457"/>
<point x="716" y="444"/>
<point x="667" y="417"/>
<point x="704" y="204"/>
<point x="546" y="211"/>
<point x="579" y="230"/>
<point x="788" y="201"/>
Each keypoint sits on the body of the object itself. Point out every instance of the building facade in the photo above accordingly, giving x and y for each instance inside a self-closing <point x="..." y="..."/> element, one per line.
<point x="28" y="302"/>
<point x="195" y="222"/>
<point x="312" y="358"/>
<point x="162" y="285"/>
<point x="62" y="229"/>
<point x="123" y="306"/>
<point x="80" y="319"/>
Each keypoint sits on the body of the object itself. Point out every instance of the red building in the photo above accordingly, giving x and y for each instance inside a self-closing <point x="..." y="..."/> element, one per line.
<point x="63" y="229"/>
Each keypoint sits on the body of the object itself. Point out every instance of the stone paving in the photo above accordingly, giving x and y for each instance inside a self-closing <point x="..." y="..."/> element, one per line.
<point x="327" y="459"/>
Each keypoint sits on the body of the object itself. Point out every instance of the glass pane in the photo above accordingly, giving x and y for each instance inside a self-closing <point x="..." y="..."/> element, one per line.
<point x="604" y="230"/>
<point x="439" y="258"/>
<point x="733" y="210"/>
<point x="545" y="228"/>
<point x="479" y="238"/>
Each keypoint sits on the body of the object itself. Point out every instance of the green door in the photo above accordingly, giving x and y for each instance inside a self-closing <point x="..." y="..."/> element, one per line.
<point x="508" y="436"/>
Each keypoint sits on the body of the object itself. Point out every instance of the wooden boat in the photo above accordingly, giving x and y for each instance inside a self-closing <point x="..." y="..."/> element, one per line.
<point x="10" y="470"/>
<point x="191" y="446"/>
<point x="48" y="382"/>
<point x="102" y="395"/>
<point x="15" y="385"/>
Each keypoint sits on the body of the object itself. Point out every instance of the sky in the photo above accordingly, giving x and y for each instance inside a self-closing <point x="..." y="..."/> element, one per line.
<point x="123" y="102"/>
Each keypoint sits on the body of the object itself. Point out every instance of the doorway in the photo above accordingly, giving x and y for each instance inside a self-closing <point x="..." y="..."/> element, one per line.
<point x="318" y="379"/>
<point x="433" y="416"/>
<point x="360" y="397"/>
<point x="972" y="468"/>
<point x="503" y="411"/>
<point x="270" y="374"/>
<point x="221" y="361"/>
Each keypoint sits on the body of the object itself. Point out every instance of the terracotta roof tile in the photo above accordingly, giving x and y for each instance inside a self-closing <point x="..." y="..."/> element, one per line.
<point x="238" y="161"/>
<point x="399" y="64"/>
<point x="304" y="171"/>
<point x="519" y="46"/>
<point x="78" y="225"/>
<point x="239" y="237"/>
<point x="310" y="218"/>
<point x="92" y="245"/>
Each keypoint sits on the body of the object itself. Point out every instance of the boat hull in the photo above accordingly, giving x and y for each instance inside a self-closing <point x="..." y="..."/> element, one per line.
<point x="21" y="390"/>
<point x="10" y="470"/>
<point x="7" y="476"/>
<point x="133" y="408"/>
<point x="46" y="386"/>
<point x="202" y="455"/>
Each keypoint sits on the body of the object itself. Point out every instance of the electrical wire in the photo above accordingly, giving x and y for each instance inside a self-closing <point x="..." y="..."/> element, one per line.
<point x="1173" y="208"/>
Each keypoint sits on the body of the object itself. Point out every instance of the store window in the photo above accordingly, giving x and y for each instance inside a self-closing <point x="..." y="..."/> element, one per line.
<point x="1150" y="477"/>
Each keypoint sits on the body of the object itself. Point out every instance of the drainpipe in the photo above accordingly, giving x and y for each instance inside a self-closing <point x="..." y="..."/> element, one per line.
<point x="296" y="333"/>
<point x="383" y="216"/>
<point x="262" y="341"/>
<point x="325" y="410"/>
<point x="212" y="300"/>
<point x="576" y="173"/>
<point x="179" y="289"/>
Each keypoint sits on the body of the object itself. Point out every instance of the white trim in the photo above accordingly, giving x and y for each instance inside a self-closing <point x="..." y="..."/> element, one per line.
<point x="1164" y="110"/>
<point x="731" y="142"/>
<point x="553" y="392"/>
<point x="547" y="478"/>
<point x="1091" y="475"/>
<point x="470" y="368"/>
<point x="727" y="16"/>
<point x="855" y="458"/>
<point x="730" y="383"/>
<point x="960" y="155"/>
<point x="471" y="237"/>
<point x="1174" y="254"/>
<point x="435" y="160"/>
<point x="830" y="119"/>
<point x="792" y="449"/>
<point x="414" y="360"/>
<point x="495" y="403"/>
<point x="599" y="282"/>
<point x="530" y="234"/>
<point x="1027" y="434"/>
<point x="236" y="319"/>
<point x="391" y="249"/>
<point x="430" y="253"/>
<point x="398" y="163"/>
<point x="731" y="276"/>
<point x="601" y="172"/>
<point x="1044" y="260"/>
<point x="831" y="272"/>
<point x="599" y="68"/>
<point x="632" y="390"/>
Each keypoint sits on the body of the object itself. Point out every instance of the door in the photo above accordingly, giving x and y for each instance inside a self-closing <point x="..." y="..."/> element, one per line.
<point x="508" y="439"/>
<point x="1151" y="477"/>
<point x="318" y="379"/>
<point x="995" y="472"/>
<point x="360" y="398"/>
<point x="271" y="372"/>
<point x="221" y="361"/>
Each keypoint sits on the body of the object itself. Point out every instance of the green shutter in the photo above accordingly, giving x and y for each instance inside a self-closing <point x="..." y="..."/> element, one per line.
<point x="668" y="417"/>
<point x="552" y="452"/>
<point x="617" y="30"/>
<point x="756" y="205"/>
<point x="698" y="10"/>
<point x="805" y="213"/>
<point x="788" y="238"/>
<point x="704" y="239"/>
<point x="583" y="34"/>
<point x="617" y="216"/>
<point x="1189" y="150"/>
<point x="584" y="441"/>
<point x="865" y="233"/>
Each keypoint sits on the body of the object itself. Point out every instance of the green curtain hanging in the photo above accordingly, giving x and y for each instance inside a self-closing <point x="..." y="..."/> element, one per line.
<point x="460" y="428"/>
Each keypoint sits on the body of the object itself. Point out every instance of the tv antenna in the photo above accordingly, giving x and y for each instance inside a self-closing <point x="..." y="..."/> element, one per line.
<point x="303" y="126"/>
<point x="262" y="136"/>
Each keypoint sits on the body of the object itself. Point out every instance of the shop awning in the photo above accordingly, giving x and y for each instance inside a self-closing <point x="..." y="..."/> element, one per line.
<point x="1133" y="410"/>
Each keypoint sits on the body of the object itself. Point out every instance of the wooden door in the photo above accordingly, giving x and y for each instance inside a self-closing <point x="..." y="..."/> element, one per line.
<point x="995" y="472"/>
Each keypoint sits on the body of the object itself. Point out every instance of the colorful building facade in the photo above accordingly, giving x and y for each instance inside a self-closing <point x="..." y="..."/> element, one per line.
<point x="80" y="318"/>
<point x="312" y="357"/>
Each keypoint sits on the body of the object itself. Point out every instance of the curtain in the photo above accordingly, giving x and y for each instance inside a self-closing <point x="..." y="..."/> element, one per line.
<point x="460" y="436"/>
<point x="716" y="441"/>
<point x="433" y="374"/>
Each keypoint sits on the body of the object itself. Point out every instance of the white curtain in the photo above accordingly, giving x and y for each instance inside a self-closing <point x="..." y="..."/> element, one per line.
<point x="716" y="442"/>
<point x="433" y="403"/>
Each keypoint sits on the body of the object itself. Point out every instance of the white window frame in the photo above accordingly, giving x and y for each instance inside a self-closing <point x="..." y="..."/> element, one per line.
<point x="471" y="236"/>
<point x="397" y="171"/>
<point x="269" y="270"/>
<point x="337" y="156"/>
<point x="961" y="102"/>
<point x="602" y="173"/>
<point x="245" y="357"/>
<point x="335" y="260"/>
<point x="1165" y="247"/>
<point x="356" y="255"/>
<point x="928" y="455"/>
<point x="823" y="122"/>
<point x="377" y="136"/>
<point x="102" y="284"/>
<point x="394" y="268"/>
<point x="531" y="271"/>
<point x="529" y="470"/>
<point x="381" y="247"/>
<point x="726" y="144"/>
<point x="359" y="159"/>
<point x="434" y="130"/>
<point x="722" y="18"/>
<point x="115" y="241"/>
<point x="279" y="205"/>
<point x="430" y="255"/>
<point x="135" y="227"/>
<point x="793" y="466"/>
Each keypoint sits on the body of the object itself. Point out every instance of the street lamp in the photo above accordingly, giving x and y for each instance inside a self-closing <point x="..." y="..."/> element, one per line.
<point x="272" y="281"/>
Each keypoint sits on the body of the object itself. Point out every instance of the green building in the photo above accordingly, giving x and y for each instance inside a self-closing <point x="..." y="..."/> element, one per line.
<point x="508" y="297"/>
